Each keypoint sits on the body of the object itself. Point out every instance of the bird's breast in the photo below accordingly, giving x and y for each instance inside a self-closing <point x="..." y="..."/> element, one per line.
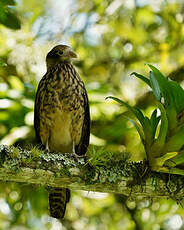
<point x="60" y="138"/>
<point x="62" y="112"/>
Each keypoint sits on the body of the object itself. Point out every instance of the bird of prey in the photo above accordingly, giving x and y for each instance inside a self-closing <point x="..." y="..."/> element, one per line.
<point x="61" y="115"/>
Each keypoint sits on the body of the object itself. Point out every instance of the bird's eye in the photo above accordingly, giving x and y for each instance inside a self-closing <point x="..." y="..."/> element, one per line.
<point x="55" y="54"/>
<point x="60" y="53"/>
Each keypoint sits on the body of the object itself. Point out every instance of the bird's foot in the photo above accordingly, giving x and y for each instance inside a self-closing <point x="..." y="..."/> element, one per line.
<point x="75" y="156"/>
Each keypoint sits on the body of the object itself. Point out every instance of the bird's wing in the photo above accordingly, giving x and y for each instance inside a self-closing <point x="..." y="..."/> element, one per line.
<point x="81" y="148"/>
<point x="37" y="112"/>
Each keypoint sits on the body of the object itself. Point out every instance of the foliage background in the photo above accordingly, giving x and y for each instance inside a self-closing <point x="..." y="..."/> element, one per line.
<point x="112" y="38"/>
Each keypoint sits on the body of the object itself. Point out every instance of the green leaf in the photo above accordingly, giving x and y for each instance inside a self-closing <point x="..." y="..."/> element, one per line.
<point x="139" y="129"/>
<point x="157" y="73"/>
<point x="175" y="171"/>
<point x="139" y="115"/>
<point x="147" y="130"/>
<point x="172" y="92"/>
<point x="163" y="126"/>
<point x="177" y="160"/>
<point x="155" y="87"/>
<point x="154" y="122"/>
<point x="8" y="2"/>
<point x="159" y="161"/>
<point x="178" y="95"/>
<point x="145" y="79"/>
<point x="147" y="137"/>
<point x="162" y="85"/>
<point x="175" y="142"/>
<point x="2" y="64"/>
<point x="160" y="141"/>
<point x="172" y="117"/>
<point x="10" y="20"/>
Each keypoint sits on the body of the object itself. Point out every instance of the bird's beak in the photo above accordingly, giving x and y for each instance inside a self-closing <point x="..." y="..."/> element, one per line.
<point x="72" y="54"/>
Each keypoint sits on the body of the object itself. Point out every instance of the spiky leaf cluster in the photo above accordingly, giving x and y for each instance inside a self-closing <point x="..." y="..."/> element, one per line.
<point x="162" y="135"/>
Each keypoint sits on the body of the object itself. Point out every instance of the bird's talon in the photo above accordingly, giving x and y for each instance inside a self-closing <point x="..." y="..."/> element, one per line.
<point x="75" y="156"/>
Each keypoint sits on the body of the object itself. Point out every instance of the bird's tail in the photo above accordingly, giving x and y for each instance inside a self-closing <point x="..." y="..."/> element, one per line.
<point x="58" y="198"/>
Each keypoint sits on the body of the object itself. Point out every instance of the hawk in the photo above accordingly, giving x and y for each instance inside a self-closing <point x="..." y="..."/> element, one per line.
<point x="61" y="115"/>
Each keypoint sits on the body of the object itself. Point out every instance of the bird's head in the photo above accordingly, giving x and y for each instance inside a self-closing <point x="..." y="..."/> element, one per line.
<point x="59" y="54"/>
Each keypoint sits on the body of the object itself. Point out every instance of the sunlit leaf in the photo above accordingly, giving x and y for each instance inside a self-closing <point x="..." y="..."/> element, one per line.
<point x="8" y="2"/>
<point x="16" y="83"/>
<point x="178" y="95"/>
<point x="145" y="79"/>
<point x="155" y="87"/>
<point x="172" y="92"/>
<point x="2" y="64"/>
<point x="177" y="160"/>
<point x="159" y="161"/>
<point x="160" y="141"/>
<point x="160" y="86"/>
<point x="176" y="141"/>
<point x="10" y="20"/>
<point x="137" y="112"/>
<point x="147" y="130"/>
<point x="176" y="171"/>
<point x="154" y="122"/>
<point x="138" y="128"/>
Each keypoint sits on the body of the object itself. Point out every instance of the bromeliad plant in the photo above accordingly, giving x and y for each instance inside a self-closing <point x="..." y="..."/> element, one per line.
<point x="162" y="135"/>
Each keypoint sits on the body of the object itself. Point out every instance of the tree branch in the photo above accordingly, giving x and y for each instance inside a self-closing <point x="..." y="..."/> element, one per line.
<point x="62" y="170"/>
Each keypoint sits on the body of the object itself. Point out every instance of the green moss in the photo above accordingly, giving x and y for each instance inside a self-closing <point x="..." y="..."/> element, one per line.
<point x="100" y="156"/>
<point x="35" y="152"/>
<point x="65" y="171"/>
<point x="15" y="152"/>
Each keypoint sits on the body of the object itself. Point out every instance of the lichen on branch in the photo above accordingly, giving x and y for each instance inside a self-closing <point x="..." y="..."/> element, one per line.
<point x="116" y="175"/>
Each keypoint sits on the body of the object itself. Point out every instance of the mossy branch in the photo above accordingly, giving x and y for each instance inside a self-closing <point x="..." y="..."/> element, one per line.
<point x="62" y="170"/>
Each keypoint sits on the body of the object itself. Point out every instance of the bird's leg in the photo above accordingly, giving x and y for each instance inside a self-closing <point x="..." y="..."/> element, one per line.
<point x="47" y="146"/>
<point x="74" y="153"/>
<point x="73" y="148"/>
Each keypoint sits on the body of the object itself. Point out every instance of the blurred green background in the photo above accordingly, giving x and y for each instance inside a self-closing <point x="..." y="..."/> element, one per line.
<point x="112" y="39"/>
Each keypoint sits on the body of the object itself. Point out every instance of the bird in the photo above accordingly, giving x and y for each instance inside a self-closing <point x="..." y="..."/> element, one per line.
<point x="61" y="115"/>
